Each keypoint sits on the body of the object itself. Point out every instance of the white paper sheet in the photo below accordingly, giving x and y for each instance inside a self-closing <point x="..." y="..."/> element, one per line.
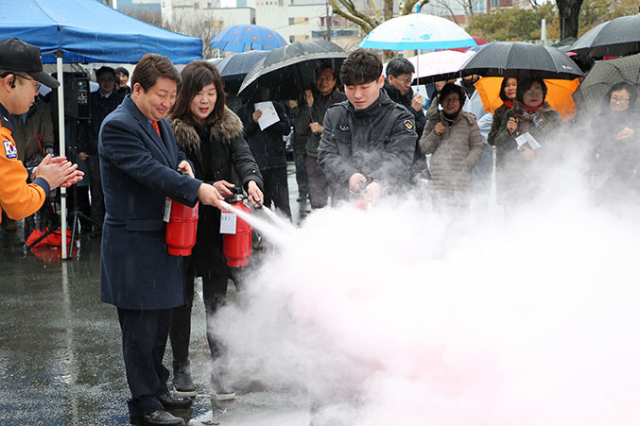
<point x="527" y="138"/>
<point x="269" y="114"/>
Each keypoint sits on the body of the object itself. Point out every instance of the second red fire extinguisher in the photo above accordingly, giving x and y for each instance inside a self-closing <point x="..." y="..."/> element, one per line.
<point x="236" y="232"/>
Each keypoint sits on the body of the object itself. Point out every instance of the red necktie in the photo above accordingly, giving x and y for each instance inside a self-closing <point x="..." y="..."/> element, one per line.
<point x="155" y="126"/>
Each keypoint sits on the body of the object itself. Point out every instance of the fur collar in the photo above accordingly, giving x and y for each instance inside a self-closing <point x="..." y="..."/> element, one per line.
<point x="224" y="131"/>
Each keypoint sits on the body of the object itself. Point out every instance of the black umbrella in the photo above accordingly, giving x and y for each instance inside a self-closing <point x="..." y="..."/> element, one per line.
<point x="233" y="69"/>
<point x="618" y="37"/>
<point x="520" y="60"/>
<point x="288" y="70"/>
<point x="605" y="74"/>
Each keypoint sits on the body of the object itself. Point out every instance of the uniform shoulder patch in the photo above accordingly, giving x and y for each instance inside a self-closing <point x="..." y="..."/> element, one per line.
<point x="10" y="149"/>
<point x="408" y="124"/>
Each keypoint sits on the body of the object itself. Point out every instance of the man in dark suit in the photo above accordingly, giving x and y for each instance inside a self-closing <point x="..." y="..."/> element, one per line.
<point x="140" y="165"/>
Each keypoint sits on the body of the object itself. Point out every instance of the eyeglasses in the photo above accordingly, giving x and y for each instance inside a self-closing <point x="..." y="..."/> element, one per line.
<point x="451" y="100"/>
<point x="533" y="92"/>
<point x="37" y="83"/>
<point x="407" y="81"/>
<point x="620" y="100"/>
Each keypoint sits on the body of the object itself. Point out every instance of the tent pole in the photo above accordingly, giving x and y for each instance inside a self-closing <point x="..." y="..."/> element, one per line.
<point x="62" y="143"/>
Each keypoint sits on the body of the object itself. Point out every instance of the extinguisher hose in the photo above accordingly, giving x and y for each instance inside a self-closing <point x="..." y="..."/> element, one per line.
<point x="274" y="217"/>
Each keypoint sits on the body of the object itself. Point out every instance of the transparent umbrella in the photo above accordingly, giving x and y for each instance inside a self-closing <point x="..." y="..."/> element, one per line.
<point x="417" y="31"/>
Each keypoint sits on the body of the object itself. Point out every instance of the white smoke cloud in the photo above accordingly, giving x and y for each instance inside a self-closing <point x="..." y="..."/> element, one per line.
<point x="408" y="317"/>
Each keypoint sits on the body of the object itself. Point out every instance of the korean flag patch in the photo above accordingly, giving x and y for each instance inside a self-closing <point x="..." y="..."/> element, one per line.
<point x="10" y="149"/>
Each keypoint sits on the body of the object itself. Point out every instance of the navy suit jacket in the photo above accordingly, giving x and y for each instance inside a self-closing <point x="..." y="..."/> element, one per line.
<point x="138" y="173"/>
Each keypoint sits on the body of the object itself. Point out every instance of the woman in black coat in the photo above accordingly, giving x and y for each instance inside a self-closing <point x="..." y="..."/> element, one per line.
<point x="615" y="157"/>
<point x="210" y="134"/>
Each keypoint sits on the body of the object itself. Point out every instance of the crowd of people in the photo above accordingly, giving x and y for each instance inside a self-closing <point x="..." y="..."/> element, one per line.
<point x="170" y="137"/>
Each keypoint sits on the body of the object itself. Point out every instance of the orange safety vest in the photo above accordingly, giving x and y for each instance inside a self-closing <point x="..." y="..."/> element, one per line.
<point x="17" y="198"/>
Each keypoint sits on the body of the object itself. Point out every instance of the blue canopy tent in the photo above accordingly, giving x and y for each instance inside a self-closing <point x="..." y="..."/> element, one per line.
<point x="89" y="31"/>
<point x="84" y="31"/>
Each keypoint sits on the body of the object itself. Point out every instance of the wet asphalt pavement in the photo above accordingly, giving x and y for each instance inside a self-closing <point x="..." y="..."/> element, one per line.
<point x="60" y="348"/>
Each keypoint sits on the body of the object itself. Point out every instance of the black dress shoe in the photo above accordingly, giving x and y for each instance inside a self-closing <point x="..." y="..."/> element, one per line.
<point x="173" y="403"/>
<point x="161" y="418"/>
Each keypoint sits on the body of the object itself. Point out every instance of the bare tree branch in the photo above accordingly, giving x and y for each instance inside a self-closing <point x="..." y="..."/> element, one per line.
<point x="376" y="10"/>
<point x="347" y="10"/>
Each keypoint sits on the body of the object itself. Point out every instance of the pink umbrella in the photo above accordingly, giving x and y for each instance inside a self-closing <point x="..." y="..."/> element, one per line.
<point x="437" y="63"/>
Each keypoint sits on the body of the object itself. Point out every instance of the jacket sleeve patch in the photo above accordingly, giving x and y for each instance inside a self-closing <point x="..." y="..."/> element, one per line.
<point x="10" y="149"/>
<point x="408" y="124"/>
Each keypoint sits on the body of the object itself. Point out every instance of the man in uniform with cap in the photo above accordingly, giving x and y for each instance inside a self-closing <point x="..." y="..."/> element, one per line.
<point x="21" y="75"/>
<point x="103" y="102"/>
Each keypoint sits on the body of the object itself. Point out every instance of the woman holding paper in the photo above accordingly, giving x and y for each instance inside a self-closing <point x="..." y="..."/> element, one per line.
<point x="265" y="125"/>
<point x="520" y="139"/>
<point x="210" y="134"/>
<point x="453" y="139"/>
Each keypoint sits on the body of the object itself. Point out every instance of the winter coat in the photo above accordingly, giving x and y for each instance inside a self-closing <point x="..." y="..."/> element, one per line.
<point x="454" y="153"/>
<point x="378" y="141"/>
<point x="419" y="159"/>
<point x="36" y="134"/>
<point x="316" y="114"/>
<point x="301" y="120"/>
<point x="218" y="151"/>
<point x="267" y="146"/>
<point x="516" y="177"/>
<point x="496" y="125"/>
<point x="405" y="101"/>
<point x="615" y="164"/>
<point x="139" y="173"/>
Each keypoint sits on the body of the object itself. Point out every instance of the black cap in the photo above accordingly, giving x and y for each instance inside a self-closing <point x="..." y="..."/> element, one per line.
<point x="16" y="55"/>
<point x="103" y="70"/>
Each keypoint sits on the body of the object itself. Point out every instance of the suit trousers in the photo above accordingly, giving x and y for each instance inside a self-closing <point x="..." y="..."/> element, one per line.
<point x="318" y="185"/>
<point x="144" y="338"/>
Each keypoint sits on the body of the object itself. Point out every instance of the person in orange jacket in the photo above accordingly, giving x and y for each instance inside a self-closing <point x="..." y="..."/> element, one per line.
<point x="21" y="75"/>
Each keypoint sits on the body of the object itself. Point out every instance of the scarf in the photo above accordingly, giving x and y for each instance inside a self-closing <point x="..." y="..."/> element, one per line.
<point x="449" y="119"/>
<point x="530" y="114"/>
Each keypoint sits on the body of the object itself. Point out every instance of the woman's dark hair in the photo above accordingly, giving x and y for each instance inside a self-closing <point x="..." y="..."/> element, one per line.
<point x="151" y="67"/>
<point x="526" y="84"/>
<point x="502" y="86"/>
<point x="630" y="88"/>
<point x="450" y="88"/>
<point x="195" y="76"/>
<point x="122" y="70"/>
<point x="362" y="66"/>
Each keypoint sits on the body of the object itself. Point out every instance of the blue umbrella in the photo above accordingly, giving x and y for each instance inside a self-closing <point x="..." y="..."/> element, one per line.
<point x="241" y="38"/>
<point x="417" y="31"/>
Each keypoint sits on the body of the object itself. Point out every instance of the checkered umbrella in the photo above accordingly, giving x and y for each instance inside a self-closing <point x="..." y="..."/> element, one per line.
<point x="605" y="74"/>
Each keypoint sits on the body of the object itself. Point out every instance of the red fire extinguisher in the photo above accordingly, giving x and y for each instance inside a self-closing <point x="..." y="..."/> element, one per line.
<point x="181" y="229"/>
<point x="358" y="197"/>
<point x="236" y="232"/>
